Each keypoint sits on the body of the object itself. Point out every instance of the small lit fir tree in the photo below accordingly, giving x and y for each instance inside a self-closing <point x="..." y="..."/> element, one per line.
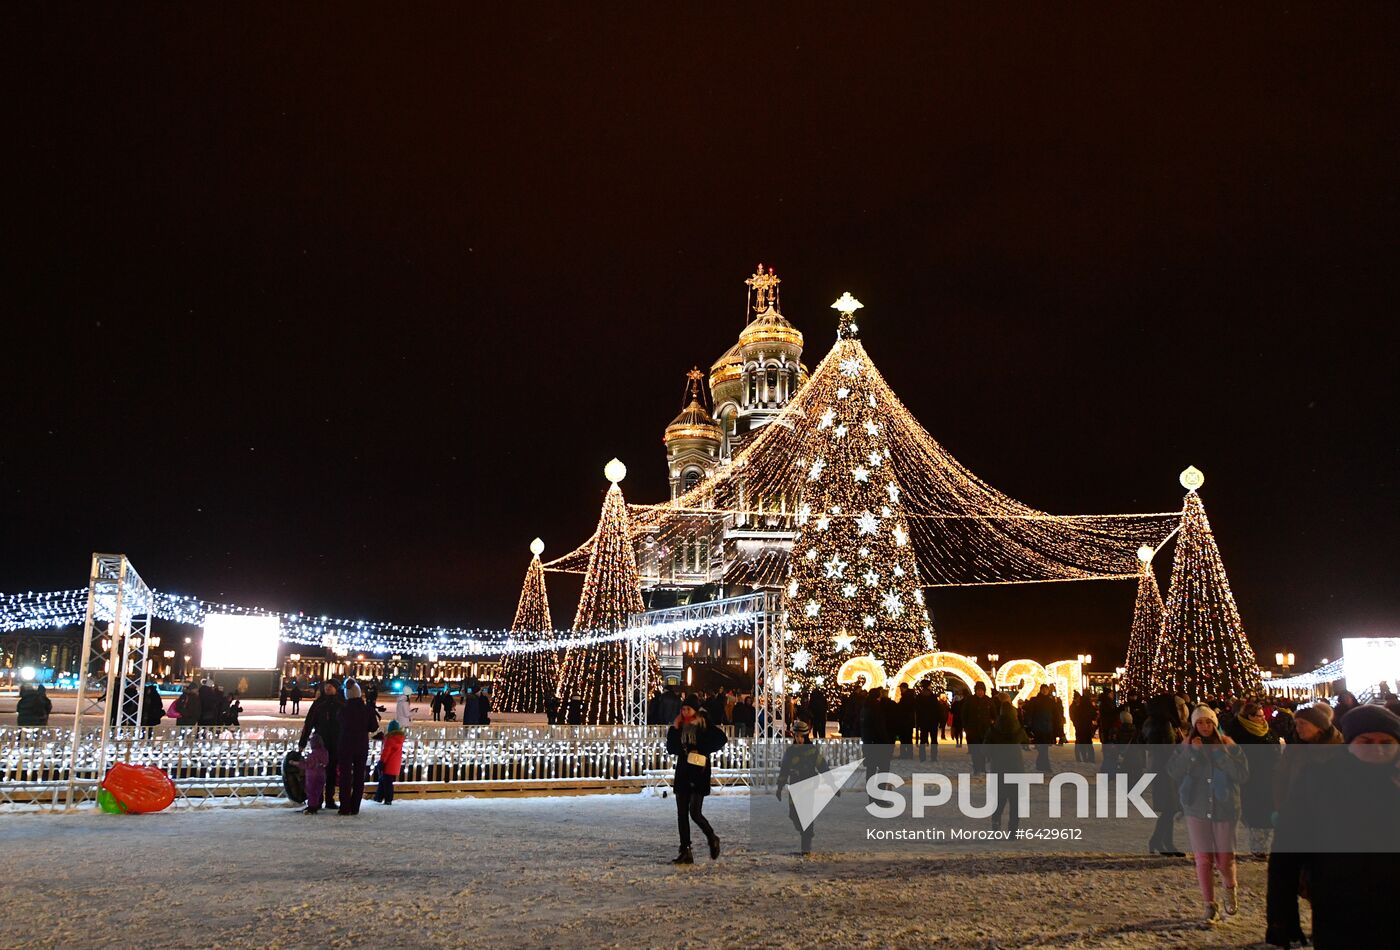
<point x="853" y="587"/>
<point x="1203" y="653"/>
<point x="612" y="591"/>
<point x="1146" y="632"/>
<point x="525" y="679"/>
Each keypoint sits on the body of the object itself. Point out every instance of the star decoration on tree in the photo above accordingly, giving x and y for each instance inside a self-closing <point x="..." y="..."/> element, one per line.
<point x="823" y="521"/>
<point x="919" y="595"/>
<point x="839" y="432"/>
<point x="901" y="538"/>
<point x="893" y="604"/>
<point x="813" y="608"/>
<point x="792" y="588"/>
<point x="844" y="641"/>
<point x="871" y="578"/>
<point x="811" y="554"/>
<point x="848" y="590"/>
<point x="827" y="419"/>
<point x="863" y="551"/>
<point x="850" y="367"/>
<point x="842" y="393"/>
<point x="835" y="568"/>
<point x="803" y="514"/>
<point x="816" y="471"/>
<point x="800" y="659"/>
<point x="898" y="571"/>
<point x="871" y="429"/>
<point x="868" y="620"/>
<point x="868" y="523"/>
<point x="860" y="474"/>
<point x="875" y="459"/>
<point x="893" y="491"/>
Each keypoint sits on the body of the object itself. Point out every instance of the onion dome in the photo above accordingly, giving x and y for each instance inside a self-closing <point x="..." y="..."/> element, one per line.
<point x="728" y="367"/>
<point x="695" y="421"/>
<point x="769" y="327"/>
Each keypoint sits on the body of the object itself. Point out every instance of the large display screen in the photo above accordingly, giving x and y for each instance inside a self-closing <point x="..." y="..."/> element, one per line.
<point x="1371" y="661"/>
<point x="235" y="642"/>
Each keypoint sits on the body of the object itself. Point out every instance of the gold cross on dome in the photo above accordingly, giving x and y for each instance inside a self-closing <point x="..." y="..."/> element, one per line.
<point x="695" y="375"/>
<point x="847" y="304"/>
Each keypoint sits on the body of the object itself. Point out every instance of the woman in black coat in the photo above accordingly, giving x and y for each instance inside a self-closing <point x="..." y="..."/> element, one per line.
<point x="692" y="740"/>
<point x="357" y="721"/>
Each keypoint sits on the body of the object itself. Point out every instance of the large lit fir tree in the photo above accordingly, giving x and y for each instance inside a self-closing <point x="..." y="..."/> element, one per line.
<point x="1146" y="632"/>
<point x="1203" y="653"/>
<point x="525" y="679"/>
<point x="853" y="587"/>
<point x="597" y="674"/>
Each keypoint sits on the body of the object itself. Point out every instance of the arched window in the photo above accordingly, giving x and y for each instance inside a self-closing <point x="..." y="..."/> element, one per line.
<point x="690" y="479"/>
<point x="772" y="384"/>
<point x="752" y="388"/>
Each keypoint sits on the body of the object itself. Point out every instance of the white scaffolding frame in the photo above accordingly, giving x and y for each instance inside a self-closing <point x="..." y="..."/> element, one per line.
<point x="116" y="640"/>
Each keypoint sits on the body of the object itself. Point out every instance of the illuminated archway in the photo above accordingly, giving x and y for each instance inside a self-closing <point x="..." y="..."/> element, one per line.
<point x="955" y="663"/>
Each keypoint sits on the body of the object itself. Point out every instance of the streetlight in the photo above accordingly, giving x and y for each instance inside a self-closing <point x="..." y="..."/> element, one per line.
<point x="992" y="658"/>
<point x="1284" y="660"/>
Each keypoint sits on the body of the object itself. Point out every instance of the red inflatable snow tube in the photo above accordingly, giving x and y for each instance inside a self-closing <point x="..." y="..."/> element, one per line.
<point x="141" y="788"/>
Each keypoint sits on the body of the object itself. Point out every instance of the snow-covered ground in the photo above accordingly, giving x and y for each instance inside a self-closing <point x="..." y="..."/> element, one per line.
<point x="567" y="872"/>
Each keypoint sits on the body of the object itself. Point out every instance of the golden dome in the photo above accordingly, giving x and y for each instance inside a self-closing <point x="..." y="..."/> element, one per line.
<point x="694" y="422"/>
<point x="727" y="367"/>
<point x="770" y="326"/>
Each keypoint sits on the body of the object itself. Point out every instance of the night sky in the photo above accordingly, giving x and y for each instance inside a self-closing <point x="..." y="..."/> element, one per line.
<point x="335" y="312"/>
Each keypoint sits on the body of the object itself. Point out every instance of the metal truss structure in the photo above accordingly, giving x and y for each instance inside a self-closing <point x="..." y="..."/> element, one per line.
<point x="112" y="678"/>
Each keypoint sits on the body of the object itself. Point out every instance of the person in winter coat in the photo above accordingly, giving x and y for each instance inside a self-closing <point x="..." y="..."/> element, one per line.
<point x="875" y="735"/>
<point x="390" y="762"/>
<point x="323" y="719"/>
<point x="33" y="707"/>
<point x="1122" y="750"/>
<point x="471" y="709"/>
<point x="190" y="703"/>
<point x="208" y="704"/>
<point x="1162" y="729"/>
<point x="692" y="740"/>
<point x="978" y="714"/>
<point x="1210" y="770"/>
<point x="1108" y="716"/>
<point x="817" y="705"/>
<point x="449" y="705"/>
<point x="283" y="695"/>
<point x="801" y="760"/>
<point x="152" y="707"/>
<point x="1003" y="741"/>
<point x="1338" y="831"/>
<point x="357" y="721"/>
<point x="1262" y="747"/>
<point x="402" y="712"/>
<point x="1086" y="720"/>
<point x="903" y="718"/>
<point x="926" y="708"/>
<point x="1313" y="728"/>
<point x="1346" y="702"/>
<point x="314" y="764"/>
<point x="1040" y="719"/>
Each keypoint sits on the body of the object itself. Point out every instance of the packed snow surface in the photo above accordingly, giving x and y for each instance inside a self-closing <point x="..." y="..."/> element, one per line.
<point x="589" y="871"/>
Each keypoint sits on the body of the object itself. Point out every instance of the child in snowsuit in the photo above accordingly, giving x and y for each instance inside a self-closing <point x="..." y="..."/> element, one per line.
<point x="314" y="766"/>
<point x="390" y="760"/>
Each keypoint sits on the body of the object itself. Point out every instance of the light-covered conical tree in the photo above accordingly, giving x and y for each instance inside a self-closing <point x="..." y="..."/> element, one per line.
<point x="525" y="679"/>
<point x="1204" y="653"/>
<point x="853" y="588"/>
<point x="1146" y="631"/>
<point x="597" y="674"/>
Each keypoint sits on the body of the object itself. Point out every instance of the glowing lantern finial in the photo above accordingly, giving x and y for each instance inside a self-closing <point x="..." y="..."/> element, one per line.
<point x="537" y="547"/>
<point x="615" y="471"/>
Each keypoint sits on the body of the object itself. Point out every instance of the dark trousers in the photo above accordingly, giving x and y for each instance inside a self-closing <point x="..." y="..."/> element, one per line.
<point x="979" y="756"/>
<point x="927" y="736"/>
<point x="1006" y="801"/>
<point x="384" y="791"/>
<point x="352" y="781"/>
<point x="332" y="774"/>
<point x="1164" y="831"/>
<point x="688" y="809"/>
<point x="1042" y="756"/>
<point x="805" y="835"/>
<point x="1084" y="749"/>
<point x="819" y="728"/>
<point x="296" y="705"/>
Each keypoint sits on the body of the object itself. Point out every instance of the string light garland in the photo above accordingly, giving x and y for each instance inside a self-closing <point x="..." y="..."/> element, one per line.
<point x="596" y="675"/>
<point x="57" y="609"/>
<point x="853" y="584"/>
<point x="962" y="531"/>
<point x="1203" y="653"/>
<point x="1146" y="631"/>
<point x="525" y="680"/>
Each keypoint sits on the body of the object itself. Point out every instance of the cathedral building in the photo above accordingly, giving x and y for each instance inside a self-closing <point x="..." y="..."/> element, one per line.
<point x="747" y="548"/>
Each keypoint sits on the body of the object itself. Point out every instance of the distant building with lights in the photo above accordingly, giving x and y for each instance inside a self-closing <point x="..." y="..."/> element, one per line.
<point x="748" y="386"/>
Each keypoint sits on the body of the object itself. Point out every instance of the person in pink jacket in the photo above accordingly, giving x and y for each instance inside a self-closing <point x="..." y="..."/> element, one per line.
<point x="390" y="761"/>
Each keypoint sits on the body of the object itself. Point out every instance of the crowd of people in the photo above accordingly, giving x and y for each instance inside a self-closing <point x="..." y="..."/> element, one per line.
<point x="334" y="748"/>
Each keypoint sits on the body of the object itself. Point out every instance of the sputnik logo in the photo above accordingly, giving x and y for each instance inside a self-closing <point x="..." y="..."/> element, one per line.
<point x="811" y="795"/>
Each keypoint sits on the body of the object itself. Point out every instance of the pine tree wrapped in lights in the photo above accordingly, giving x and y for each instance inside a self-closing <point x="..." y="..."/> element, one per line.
<point x="853" y="587"/>
<point x="1146" y="631"/>
<point x="1203" y="653"/>
<point x="525" y="679"/>
<point x="597" y="674"/>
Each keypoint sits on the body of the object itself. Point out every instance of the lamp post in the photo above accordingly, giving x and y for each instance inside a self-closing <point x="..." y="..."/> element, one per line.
<point x="992" y="659"/>
<point x="1084" y="660"/>
<point x="1284" y="660"/>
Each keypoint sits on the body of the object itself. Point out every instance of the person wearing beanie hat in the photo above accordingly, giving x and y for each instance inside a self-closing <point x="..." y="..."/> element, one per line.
<point x="1318" y="717"/>
<point x="692" y="740"/>
<point x="1210" y="769"/>
<point x="1338" y="826"/>
<point x="357" y="722"/>
<point x="801" y="760"/>
<point x="390" y="762"/>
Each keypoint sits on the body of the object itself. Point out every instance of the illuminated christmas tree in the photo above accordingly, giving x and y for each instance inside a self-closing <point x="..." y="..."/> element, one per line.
<point x="525" y="679"/>
<point x="1203" y="653"/>
<point x="853" y="587"/>
<point x="597" y="674"/>
<point x="1146" y="632"/>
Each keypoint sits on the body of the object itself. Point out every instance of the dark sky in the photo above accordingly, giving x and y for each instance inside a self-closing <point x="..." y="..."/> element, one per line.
<point x="335" y="311"/>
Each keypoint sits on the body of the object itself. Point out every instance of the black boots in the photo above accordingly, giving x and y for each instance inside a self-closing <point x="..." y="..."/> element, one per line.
<point x="685" y="857"/>
<point x="714" y="847"/>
